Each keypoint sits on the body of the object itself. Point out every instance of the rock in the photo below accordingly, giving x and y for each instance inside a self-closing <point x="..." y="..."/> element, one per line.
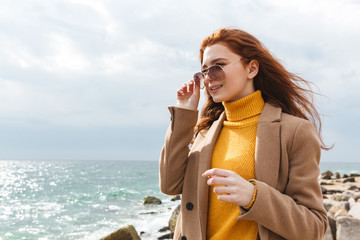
<point x="151" y="200"/>
<point x="173" y="218"/>
<point x="345" y="175"/>
<point x="337" y="175"/>
<point x="352" y="188"/>
<point x="351" y="179"/>
<point x="166" y="236"/>
<point x="337" y="210"/>
<point x="348" y="194"/>
<point x="345" y="205"/>
<point x="175" y="198"/>
<point x="328" y="235"/>
<point x="164" y="229"/>
<point x="341" y="212"/>
<point x="354" y="175"/>
<point x="327" y="206"/>
<point x="326" y="175"/>
<point x="125" y="233"/>
<point x="339" y="197"/>
<point x="355" y="211"/>
<point x="332" y="191"/>
<point x="326" y="182"/>
<point x="347" y="228"/>
<point x="323" y="190"/>
<point x="144" y="213"/>
<point x="332" y="226"/>
<point x="352" y="202"/>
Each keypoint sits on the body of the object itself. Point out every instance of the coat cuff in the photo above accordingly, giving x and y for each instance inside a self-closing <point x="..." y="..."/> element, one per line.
<point x="247" y="208"/>
<point x="254" y="210"/>
<point x="183" y="114"/>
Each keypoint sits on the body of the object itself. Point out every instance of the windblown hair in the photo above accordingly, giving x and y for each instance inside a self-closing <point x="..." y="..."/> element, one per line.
<point x="278" y="86"/>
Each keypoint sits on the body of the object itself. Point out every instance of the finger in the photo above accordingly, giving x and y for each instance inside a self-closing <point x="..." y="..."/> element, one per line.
<point x="196" y="88"/>
<point x="191" y="86"/>
<point x="222" y="189"/>
<point x="226" y="198"/>
<point x="180" y="92"/>
<point x="217" y="172"/>
<point x="218" y="181"/>
<point x="184" y="88"/>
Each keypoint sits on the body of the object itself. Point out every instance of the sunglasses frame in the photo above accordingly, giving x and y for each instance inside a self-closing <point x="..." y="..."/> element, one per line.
<point x="212" y="72"/>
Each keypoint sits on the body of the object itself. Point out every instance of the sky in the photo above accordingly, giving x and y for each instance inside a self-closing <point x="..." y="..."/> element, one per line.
<point x="92" y="79"/>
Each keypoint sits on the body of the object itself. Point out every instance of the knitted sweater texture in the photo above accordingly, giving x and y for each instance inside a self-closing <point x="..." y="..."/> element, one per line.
<point x="235" y="151"/>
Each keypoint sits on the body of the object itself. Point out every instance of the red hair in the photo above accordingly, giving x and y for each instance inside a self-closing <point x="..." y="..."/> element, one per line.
<point x="278" y="86"/>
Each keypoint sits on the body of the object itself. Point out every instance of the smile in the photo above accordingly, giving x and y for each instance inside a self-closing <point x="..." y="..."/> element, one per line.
<point x="215" y="87"/>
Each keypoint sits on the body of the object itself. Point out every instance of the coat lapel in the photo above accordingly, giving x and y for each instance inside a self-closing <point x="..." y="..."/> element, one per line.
<point x="204" y="164"/>
<point x="267" y="148"/>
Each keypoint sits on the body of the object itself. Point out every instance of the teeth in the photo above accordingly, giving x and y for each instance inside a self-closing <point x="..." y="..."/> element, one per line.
<point x="214" y="88"/>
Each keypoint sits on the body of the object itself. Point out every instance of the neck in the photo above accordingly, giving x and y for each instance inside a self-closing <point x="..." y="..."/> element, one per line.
<point x="243" y="108"/>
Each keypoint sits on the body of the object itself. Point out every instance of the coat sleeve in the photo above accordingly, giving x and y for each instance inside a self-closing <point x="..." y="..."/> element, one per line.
<point x="298" y="213"/>
<point x="174" y="154"/>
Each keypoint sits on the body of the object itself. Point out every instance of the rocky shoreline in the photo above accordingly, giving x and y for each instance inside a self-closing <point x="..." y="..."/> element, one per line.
<point x="341" y="196"/>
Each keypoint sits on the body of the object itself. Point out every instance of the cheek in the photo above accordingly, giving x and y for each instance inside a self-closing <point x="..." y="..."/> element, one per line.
<point x="237" y="80"/>
<point x="239" y="74"/>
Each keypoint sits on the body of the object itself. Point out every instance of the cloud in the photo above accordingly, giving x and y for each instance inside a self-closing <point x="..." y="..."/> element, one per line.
<point x="92" y="64"/>
<point x="62" y="55"/>
<point x="142" y="57"/>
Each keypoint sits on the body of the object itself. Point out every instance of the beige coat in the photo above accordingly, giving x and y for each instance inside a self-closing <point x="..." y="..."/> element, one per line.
<point x="287" y="153"/>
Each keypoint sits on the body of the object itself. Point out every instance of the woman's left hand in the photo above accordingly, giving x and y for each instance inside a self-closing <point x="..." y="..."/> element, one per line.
<point x="234" y="189"/>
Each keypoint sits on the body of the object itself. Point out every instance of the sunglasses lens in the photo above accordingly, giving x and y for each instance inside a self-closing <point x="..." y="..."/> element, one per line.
<point x="199" y="79"/>
<point x="216" y="73"/>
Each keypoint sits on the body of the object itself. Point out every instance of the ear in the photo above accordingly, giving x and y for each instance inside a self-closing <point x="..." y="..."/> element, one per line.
<point x="252" y="68"/>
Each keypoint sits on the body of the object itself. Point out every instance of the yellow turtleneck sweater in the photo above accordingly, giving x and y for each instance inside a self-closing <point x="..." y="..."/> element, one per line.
<point x="235" y="151"/>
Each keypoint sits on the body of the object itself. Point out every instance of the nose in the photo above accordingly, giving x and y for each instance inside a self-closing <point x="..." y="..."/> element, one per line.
<point x="206" y="78"/>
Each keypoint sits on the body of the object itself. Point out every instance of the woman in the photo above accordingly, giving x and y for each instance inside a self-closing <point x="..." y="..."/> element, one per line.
<point x="251" y="171"/>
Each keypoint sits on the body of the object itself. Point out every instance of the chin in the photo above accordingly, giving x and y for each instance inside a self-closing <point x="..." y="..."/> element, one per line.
<point x="218" y="99"/>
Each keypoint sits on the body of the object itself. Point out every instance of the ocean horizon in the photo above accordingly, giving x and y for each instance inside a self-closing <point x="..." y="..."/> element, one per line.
<point x="87" y="199"/>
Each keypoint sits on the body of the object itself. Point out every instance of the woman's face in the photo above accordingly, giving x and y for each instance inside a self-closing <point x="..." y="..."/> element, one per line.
<point x="238" y="79"/>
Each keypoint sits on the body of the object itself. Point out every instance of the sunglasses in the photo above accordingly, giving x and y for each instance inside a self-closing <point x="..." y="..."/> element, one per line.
<point x="215" y="72"/>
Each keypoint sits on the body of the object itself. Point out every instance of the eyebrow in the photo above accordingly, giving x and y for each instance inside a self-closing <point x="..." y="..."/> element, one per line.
<point x="212" y="62"/>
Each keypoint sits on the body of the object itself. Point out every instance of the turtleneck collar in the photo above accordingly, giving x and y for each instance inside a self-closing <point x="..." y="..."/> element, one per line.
<point x="244" y="108"/>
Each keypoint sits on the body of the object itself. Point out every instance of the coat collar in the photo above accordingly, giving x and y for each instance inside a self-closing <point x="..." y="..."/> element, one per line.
<point x="270" y="113"/>
<point x="267" y="154"/>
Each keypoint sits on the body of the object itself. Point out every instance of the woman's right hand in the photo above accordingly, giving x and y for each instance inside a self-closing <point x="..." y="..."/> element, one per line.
<point x="188" y="96"/>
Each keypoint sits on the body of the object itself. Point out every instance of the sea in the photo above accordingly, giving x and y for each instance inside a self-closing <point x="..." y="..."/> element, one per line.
<point x="50" y="200"/>
<point x="85" y="200"/>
